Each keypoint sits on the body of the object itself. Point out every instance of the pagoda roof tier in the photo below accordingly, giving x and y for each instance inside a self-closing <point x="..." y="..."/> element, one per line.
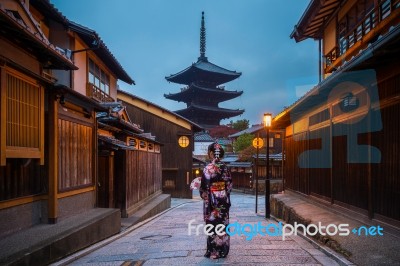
<point x="203" y="70"/>
<point x="217" y="112"/>
<point x="218" y="94"/>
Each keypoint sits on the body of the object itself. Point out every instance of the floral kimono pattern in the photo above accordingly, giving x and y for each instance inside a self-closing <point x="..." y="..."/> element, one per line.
<point x="215" y="188"/>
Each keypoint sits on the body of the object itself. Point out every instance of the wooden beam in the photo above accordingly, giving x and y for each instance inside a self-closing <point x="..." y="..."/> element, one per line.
<point x="53" y="160"/>
<point x="331" y="174"/>
<point x="21" y="201"/>
<point x="41" y="126"/>
<point x="111" y="181"/>
<point x="95" y="157"/>
<point x="75" y="192"/>
<point x="3" y="113"/>
<point x="370" y="185"/>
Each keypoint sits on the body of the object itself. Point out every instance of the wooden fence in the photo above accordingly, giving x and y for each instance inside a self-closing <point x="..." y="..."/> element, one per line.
<point x="138" y="177"/>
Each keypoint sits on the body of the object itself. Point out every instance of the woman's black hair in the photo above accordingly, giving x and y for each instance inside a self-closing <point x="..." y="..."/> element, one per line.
<point x="216" y="149"/>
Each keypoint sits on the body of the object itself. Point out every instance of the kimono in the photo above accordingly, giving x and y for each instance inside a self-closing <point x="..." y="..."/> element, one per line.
<point x="215" y="188"/>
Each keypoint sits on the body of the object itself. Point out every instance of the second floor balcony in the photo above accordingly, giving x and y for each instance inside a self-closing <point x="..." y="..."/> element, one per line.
<point x="367" y="30"/>
<point x="97" y="94"/>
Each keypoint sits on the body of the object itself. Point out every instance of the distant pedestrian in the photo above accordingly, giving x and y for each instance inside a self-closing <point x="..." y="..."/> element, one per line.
<point x="215" y="189"/>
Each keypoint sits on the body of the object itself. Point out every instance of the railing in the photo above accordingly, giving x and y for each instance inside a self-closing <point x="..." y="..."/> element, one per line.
<point x="370" y="21"/>
<point x="98" y="94"/>
<point x="332" y="56"/>
<point x="49" y="76"/>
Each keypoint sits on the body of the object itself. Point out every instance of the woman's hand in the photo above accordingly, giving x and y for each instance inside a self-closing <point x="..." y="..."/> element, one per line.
<point x="204" y="196"/>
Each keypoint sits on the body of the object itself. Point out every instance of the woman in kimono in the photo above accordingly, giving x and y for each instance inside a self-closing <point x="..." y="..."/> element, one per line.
<point x="215" y="188"/>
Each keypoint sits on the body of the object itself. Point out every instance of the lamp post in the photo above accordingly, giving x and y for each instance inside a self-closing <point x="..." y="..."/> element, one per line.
<point x="267" y="124"/>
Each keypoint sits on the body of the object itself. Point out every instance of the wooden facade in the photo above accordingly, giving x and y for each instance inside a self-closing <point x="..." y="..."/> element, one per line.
<point x="76" y="140"/>
<point x="35" y="182"/>
<point x="127" y="159"/>
<point x="242" y="175"/>
<point x="50" y="138"/>
<point x="140" y="178"/>
<point x="129" y="170"/>
<point x="169" y="128"/>
<point x="341" y="141"/>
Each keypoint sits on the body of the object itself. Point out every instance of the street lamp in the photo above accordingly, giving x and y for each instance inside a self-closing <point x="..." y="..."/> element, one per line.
<point x="267" y="124"/>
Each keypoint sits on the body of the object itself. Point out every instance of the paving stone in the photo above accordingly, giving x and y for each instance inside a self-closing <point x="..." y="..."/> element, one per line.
<point x="271" y="259"/>
<point x="113" y="258"/>
<point x="279" y="252"/>
<point x="165" y="241"/>
<point x="177" y="261"/>
<point x="167" y="254"/>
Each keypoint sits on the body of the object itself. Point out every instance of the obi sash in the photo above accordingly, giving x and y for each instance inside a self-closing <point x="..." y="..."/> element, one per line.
<point x="217" y="186"/>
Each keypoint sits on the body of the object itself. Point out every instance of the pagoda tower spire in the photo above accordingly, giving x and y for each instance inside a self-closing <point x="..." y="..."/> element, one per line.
<point x="202" y="39"/>
<point x="203" y="91"/>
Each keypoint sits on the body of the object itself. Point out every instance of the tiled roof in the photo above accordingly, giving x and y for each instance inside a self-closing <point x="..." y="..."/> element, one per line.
<point x="113" y="118"/>
<point x="240" y="164"/>
<point x="218" y="94"/>
<point x="102" y="51"/>
<point x="115" y="142"/>
<point x="314" y="18"/>
<point x="195" y="126"/>
<point x="203" y="137"/>
<point x="214" y="73"/>
<point x="211" y="109"/>
<point x="87" y="34"/>
<point x="49" y="10"/>
<point x="37" y="40"/>
<point x="210" y="67"/>
<point x="250" y="130"/>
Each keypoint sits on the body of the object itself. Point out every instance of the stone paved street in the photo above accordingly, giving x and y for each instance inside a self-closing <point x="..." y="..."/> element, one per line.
<point x="165" y="241"/>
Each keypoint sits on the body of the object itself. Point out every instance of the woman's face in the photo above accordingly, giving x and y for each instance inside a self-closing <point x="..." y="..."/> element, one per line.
<point x="210" y="155"/>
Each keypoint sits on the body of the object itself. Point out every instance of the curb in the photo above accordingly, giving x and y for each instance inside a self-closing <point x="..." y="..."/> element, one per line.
<point x="340" y="259"/>
<point x="127" y="230"/>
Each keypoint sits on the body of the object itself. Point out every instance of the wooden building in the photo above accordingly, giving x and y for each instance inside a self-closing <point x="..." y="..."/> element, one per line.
<point x="201" y="142"/>
<point x="203" y="92"/>
<point x="341" y="140"/>
<point x="175" y="133"/>
<point x="129" y="162"/>
<point x="55" y="77"/>
<point x="257" y="168"/>
<point x="36" y="184"/>
<point x="242" y="175"/>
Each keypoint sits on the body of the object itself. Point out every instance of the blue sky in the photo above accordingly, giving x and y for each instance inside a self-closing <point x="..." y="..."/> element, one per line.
<point x="155" y="38"/>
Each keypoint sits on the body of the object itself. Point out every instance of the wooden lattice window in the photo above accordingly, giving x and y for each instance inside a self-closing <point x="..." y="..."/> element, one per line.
<point x="132" y="142"/>
<point x="142" y="145"/>
<point x="22" y="120"/>
<point x="157" y="148"/>
<point x="150" y="147"/>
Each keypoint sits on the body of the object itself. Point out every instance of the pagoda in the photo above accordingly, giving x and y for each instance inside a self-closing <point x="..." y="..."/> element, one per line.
<point x="203" y="91"/>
